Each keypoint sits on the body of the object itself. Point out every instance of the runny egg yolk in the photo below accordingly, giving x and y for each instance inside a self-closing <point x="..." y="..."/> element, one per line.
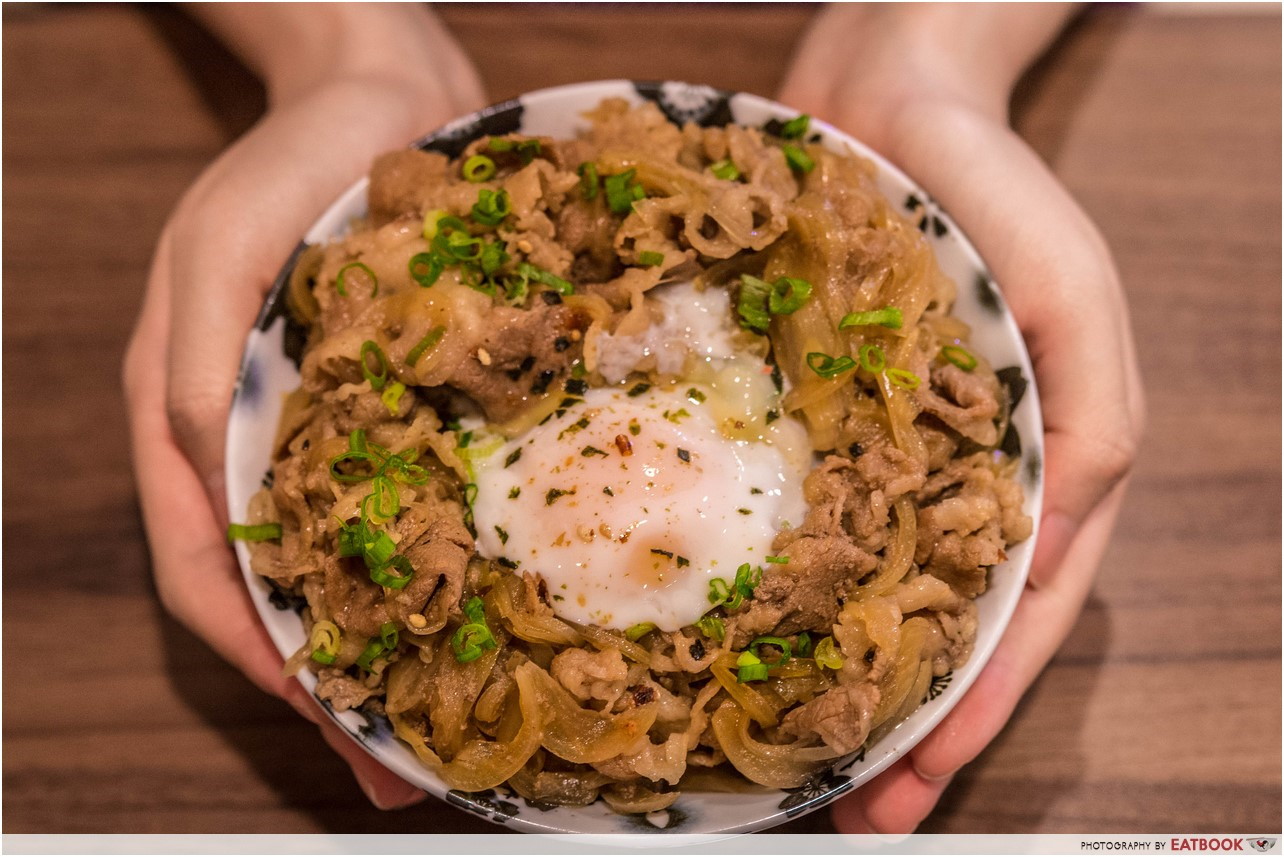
<point x="628" y="505"/>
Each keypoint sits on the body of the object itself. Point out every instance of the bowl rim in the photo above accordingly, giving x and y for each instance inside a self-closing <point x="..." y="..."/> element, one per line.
<point x="331" y="223"/>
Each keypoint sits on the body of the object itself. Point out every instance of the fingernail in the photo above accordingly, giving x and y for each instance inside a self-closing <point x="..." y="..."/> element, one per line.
<point x="933" y="778"/>
<point x="1055" y="534"/>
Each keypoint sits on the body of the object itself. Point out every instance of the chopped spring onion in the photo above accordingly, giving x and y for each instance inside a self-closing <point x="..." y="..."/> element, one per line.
<point x="588" y="179"/>
<point x="959" y="356"/>
<point x="426" y="268"/>
<point x="539" y="275"/>
<point x="887" y="317"/>
<point x="750" y="667"/>
<point x="650" y="258"/>
<point x="325" y="642"/>
<point x="491" y="207"/>
<point x="391" y="396"/>
<point x="478" y="168"/>
<point x="725" y="170"/>
<point x="431" y="219"/>
<point x="759" y="300"/>
<point x="872" y="358"/>
<point x="474" y="636"/>
<point x="827" y="655"/>
<point x="778" y="560"/>
<point x="829" y="367"/>
<point x="803" y="645"/>
<point x="387" y="501"/>
<point x="253" y="532"/>
<point x="499" y="144"/>
<point x="376" y="379"/>
<point x="788" y="294"/>
<point x="795" y="128"/>
<point x="639" y="630"/>
<point x="385" y="642"/>
<point x="798" y="160"/>
<point x="493" y="256"/>
<point x="752" y="303"/>
<point x="355" y="456"/>
<point x="527" y="150"/>
<point x="904" y="379"/>
<point x="340" y="281"/>
<point x="382" y="576"/>
<point x="712" y="627"/>
<point x="747" y="578"/>
<point x="787" y="650"/>
<point x="622" y="191"/>
<point x="431" y="338"/>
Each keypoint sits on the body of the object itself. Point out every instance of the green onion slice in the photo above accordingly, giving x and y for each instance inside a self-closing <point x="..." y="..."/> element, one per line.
<point x="639" y="630"/>
<point x="376" y="379"/>
<point x="391" y="397"/>
<point x="904" y="379"/>
<point x="621" y="192"/>
<point x="354" y="456"/>
<point x="253" y="532"/>
<point x="372" y="651"/>
<point x="426" y="268"/>
<point x="795" y="128"/>
<point x="431" y="338"/>
<point x="588" y="179"/>
<point x="959" y="356"/>
<point x="887" y="317"/>
<point x="712" y="627"/>
<point x="872" y="358"/>
<point x="719" y="592"/>
<point x="799" y="161"/>
<point x="478" y="168"/>
<point x="752" y="303"/>
<point x="650" y="258"/>
<point x="539" y="275"/>
<point x="787" y="295"/>
<point x="499" y="144"/>
<point x="387" y="501"/>
<point x="725" y="170"/>
<point x="827" y="366"/>
<point x="384" y="577"/>
<point x="491" y="207"/>
<point x="803" y="645"/>
<point x="787" y="649"/>
<point x="340" y="281"/>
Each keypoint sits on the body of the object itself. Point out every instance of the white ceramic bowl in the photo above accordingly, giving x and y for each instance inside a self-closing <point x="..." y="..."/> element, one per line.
<point x="269" y="369"/>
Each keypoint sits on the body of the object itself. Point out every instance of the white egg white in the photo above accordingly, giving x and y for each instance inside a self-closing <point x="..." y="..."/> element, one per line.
<point x="629" y="502"/>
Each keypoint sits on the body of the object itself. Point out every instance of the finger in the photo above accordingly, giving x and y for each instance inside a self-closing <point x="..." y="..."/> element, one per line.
<point x="196" y="574"/>
<point x="385" y="789"/>
<point x="1042" y="620"/>
<point x="896" y="801"/>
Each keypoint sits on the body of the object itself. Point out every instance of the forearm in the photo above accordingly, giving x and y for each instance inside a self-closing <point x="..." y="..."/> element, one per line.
<point x="295" y="47"/>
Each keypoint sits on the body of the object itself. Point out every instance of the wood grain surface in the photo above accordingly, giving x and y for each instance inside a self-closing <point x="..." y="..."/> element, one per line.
<point x="1160" y="713"/>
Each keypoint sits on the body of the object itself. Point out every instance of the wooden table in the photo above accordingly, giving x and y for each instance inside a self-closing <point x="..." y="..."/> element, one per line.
<point x="1161" y="712"/>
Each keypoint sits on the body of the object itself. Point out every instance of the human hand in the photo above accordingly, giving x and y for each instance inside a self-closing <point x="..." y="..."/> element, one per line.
<point x="928" y="88"/>
<point x="350" y="85"/>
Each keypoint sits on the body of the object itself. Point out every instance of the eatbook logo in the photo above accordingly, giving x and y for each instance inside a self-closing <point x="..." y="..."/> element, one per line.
<point x="1262" y="845"/>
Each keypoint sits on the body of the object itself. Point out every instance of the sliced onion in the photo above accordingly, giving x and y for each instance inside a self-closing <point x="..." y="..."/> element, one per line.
<point x="582" y="735"/>
<point x="506" y="595"/>
<point x="780" y="766"/>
